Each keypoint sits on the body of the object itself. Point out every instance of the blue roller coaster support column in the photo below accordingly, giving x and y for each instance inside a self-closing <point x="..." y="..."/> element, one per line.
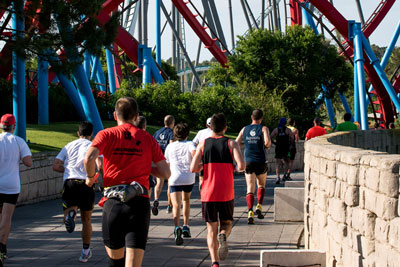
<point x="329" y="107"/>
<point x="346" y="105"/>
<point x="98" y="74"/>
<point x="359" y="64"/>
<point x="158" y="32"/>
<point x="111" y="71"/>
<point x="73" y="95"/>
<point x="309" y="20"/>
<point x="43" y="91"/>
<point x="388" y="52"/>
<point x="155" y="72"/>
<point x="18" y="64"/>
<point x="381" y="72"/>
<point x="356" y="97"/>
<point x="88" y="59"/>
<point x="147" y="58"/>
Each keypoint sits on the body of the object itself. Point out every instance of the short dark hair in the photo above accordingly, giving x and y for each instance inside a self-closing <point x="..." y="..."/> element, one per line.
<point x="168" y="120"/>
<point x="257" y="114"/>
<point x="291" y="121"/>
<point x="126" y="108"/>
<point x="218" y="122"/>
<point x="85" y="128"/>
<point x="141" y="122"/>
<point x="347" y="117"/>
<point x="181" y="131"/>
<point x="317" y="121"/>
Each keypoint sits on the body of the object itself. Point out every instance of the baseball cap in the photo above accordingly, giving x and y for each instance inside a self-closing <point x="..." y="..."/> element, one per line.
<point x="8" y="119"/>
<point x="209" y="121"/>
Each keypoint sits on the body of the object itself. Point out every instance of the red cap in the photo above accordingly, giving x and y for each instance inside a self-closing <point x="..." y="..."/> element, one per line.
<point x="8" y="119"/>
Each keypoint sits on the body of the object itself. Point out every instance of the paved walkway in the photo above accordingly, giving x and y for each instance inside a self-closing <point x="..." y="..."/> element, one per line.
<point x="38" y="236"/>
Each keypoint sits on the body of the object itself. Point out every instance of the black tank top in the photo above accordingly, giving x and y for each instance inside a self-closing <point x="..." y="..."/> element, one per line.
<point x="282" y="140"/>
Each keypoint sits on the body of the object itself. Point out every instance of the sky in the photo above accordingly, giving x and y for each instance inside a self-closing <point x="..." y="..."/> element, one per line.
<point x="381" y="37"/>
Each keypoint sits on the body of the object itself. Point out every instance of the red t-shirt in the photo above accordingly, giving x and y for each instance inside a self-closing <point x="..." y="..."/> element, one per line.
<point x="128" y="153"/>
<point x="314" y="132"/>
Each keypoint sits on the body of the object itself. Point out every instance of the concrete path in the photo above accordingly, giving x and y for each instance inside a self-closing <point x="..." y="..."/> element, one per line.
<point x="38" y="236"/>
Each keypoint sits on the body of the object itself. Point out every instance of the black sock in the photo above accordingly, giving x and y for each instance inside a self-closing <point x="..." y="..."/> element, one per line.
<point x="86" y="246"/>
<point x="215" y="262"/>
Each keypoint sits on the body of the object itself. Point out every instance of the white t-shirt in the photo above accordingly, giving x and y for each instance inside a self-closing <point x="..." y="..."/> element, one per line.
<point x="202" y="135"/>
<point x="73" y="155"/>
<point x="12" y="149"/>
<point x="178" y="155"/>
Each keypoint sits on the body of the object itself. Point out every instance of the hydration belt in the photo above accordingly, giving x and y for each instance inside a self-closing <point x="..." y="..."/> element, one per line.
<point x="125" y="192"/>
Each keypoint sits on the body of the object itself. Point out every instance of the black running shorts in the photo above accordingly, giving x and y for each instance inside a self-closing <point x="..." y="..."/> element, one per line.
<point x="292" y="154"/>
<point x="126" y="224"/>
<point x="180" y="188"/>
<point x="77" y="193"/>
<point x="8" y="198"/>
<point x="256" y="167"/>
<point x="281" y="154"/>
<point x="213" y="210"/>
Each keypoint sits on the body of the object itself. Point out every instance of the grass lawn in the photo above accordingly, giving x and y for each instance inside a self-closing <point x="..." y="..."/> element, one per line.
<point x="55" y="136"/>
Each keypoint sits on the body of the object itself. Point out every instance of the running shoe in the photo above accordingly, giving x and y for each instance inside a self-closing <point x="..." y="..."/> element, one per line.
<point x="1" y="259"/>
<point x="277" y="180"/>
<point x="284" y="177"/>
<point x="178" y="236"/>
<point x="215" y="264"/>
<point x="223" y="247"/>
<point x="154" y="210"/>
<point x="250" y="217"/>
<point x="70" y="221"/>
<point x="84" y="257"/>
<point x="186" y="231"/>
<point x="169" y="209"/>
<point x="259" y="211"/>
<point x="288" y="178"/>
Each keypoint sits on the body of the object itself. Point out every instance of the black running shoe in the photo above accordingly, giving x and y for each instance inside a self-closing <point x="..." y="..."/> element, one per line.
<point x="186" y="231"/>
<point x="70" y="221"/>
<point x="154" y="210"/>
<point x="178" y="236"/>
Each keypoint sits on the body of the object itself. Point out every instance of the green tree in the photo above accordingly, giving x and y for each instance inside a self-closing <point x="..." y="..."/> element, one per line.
<point x="293" y="66"/>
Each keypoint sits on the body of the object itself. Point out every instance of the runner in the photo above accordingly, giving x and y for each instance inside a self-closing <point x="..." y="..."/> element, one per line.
<point x="12" y="150"/>
<point x="179" y="155"/>
<point x="283" y="138"/>
<point x="163" y="137"/>
<point x="347" y="125"/>
<point x="128" y="153"/>
<point x="76" y="194"/>
<point x="141" y="123"/>
<point x="315" y="131"/>
<point x="256" y="139"/>
<point x="217" y="193"/>
<point x="292" y="146"/>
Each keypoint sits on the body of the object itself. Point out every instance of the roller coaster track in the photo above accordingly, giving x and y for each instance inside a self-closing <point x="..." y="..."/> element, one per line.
<point x="341" y="24"/>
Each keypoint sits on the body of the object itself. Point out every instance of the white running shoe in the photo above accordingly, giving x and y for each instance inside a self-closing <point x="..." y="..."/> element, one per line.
<point x="84" y="257"/>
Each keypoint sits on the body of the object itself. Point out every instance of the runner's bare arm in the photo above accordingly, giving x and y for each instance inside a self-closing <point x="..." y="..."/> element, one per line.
<point x="27" y="161"/>
<point x="90" y="165"/>
<point x="58" y="166"/>
<point x="267" y="138"/>
<point x="161" y="170"/>
<point x="196" y="164"/>
<point x="237" y="155"/>
<point x="99" y="164"/>
<point x="240" y="137"/>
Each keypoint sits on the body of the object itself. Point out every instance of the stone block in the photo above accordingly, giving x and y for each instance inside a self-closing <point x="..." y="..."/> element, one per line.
<point x="294" y="184"/>
<point x="372" y="178"/>
<point x="370" y="200"/>
<point x="341" y="172"/>
<point x="367" y="245"/>
<point x="386" y="207"/>
<point x="321" y="217"/>
<point x="389" y="183"/>
<point x="337" y="209"/>
<point x="352" y="156"/>
<point x="335" y="249"/>
<point x="24" y="178"/>
<point x="394" y="258"/>
<point x="51" y="187"/>
<point x="331" y="185"/>
<point x="389" y="162"/>
<point x="394" y="233"/>
<point x="292" y="257"/>
<point x="289" y="204"/>
<point x="331" y="168"/>
<point x="382" y="252"/>
<point x="340" y="189"/>
<point x="43" y="188"/>
<point x="338" y="231"/>
<point x="361" y="175"/>
<point x="33" y="191"/>
<point x="363" y="221"/>
<point x="322" y="200"/>
<point x="352" y="196"/>
<point x="382" y="228"/>
<point x="24" y="194"/>
<point x="323" y="165"/>
<point x="323" y="181"/>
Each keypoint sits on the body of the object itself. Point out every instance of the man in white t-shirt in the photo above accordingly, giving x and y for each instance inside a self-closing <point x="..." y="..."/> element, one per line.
<point x="201" y="136"/>
<point x="179" y="155"/>
<point x="12" y="150"/>
<point x="76" y="194"/>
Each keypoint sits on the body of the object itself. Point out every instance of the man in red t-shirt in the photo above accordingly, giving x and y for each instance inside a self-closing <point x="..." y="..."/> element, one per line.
<point x="216" y="155"/>
<point x="128" y="153"/>
<point x="315" y="131"/>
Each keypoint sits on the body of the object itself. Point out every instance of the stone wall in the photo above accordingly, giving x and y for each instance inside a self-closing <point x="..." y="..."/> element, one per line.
<point x="351" y="206"/>
<point x="40" y="182"/>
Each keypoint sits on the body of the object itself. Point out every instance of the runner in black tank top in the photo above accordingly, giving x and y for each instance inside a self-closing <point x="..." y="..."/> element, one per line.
<point x="256" y="138"/>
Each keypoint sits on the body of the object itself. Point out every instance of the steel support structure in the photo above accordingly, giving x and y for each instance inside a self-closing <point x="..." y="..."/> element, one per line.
<point x="158" y="32"/>
<point x="18" y="70"/>
<point x="231" y="24"/>
<point x="246" y="15"/>
<point x="111" y="70"/>
<point x="43" y="91"/>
